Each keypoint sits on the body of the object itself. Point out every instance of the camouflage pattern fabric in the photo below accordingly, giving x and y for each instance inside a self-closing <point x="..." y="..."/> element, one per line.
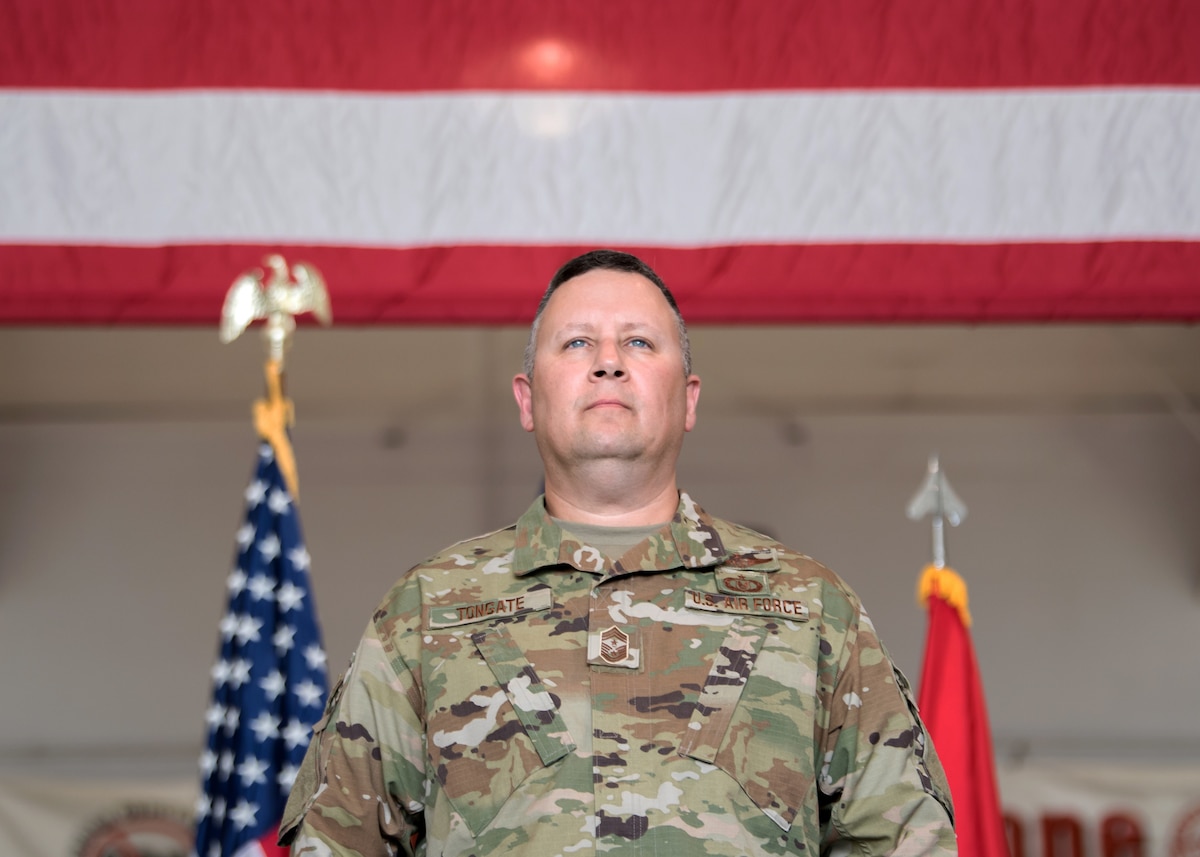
<point x="709" y="692"/>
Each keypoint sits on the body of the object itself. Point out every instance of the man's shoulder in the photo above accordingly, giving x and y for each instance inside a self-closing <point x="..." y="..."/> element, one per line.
<point x="748" y="548"/>
<point x="743" y="543"/>
<point x="472" y="551"/>
<point x="456" y="565"/>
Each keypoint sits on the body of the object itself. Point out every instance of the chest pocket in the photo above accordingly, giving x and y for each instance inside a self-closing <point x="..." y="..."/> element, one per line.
<point x="493" y="725"/>
<point x="754" y="717"/>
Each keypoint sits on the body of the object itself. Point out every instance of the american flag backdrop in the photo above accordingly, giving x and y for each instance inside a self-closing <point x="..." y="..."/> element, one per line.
<point x="269" y="681"/>
<point x="799" y="161"/>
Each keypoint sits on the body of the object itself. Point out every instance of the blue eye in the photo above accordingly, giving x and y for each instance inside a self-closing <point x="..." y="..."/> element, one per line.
<point x="575" y="343"/>
<point x="638" y="342"/>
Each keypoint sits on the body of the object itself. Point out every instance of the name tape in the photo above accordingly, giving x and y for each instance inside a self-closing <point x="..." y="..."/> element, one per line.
<point x="757" y="605"/>
<point x="479" y="611"/>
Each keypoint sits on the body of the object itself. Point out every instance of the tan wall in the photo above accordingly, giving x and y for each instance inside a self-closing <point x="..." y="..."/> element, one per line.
<point x="1082" y="552"/>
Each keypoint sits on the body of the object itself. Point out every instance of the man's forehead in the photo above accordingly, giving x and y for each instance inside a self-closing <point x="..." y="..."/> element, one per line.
<point x="597" y="290"/>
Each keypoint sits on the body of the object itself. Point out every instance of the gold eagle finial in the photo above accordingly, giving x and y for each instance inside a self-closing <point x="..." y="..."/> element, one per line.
<point x="279" y="299"/>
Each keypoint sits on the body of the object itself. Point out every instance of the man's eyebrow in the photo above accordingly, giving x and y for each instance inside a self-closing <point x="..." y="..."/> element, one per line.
<point x="587" y="327"/>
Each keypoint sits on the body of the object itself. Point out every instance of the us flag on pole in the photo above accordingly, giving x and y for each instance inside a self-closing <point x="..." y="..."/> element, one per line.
<point x="269" y="681"/>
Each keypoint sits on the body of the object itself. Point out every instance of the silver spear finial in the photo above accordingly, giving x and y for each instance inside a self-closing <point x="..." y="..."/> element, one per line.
<point x="935" y="497"/>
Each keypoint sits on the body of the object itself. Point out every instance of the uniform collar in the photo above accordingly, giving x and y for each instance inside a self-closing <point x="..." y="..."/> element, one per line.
<point x="690" y="540"/>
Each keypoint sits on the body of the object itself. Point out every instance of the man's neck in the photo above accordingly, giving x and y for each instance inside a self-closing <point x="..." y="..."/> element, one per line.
<point x="608" y="505"/>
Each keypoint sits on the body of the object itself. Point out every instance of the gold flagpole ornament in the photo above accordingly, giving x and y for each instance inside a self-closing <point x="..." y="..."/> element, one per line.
<point x="279" y="300"/>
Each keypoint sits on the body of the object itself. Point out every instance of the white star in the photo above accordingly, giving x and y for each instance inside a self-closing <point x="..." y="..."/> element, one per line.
<point x="296" y="734"/>
<point x="265" y="726"/>
<point x="218" y="810"/>
<point x="315" y="656"/>
<point x="236" y="581"/>
<point x="300" y="558"/>
<point x="252" y="771"/>
<point x="214" y="850"/>
<point x="261" y="587"/>
<point x="308" y="693"/>
<point x="279" y="501"/>
<point x="287" y="777"/>
<point x="269" y="547"/>
<point x="289" y="596"/>
<point x="220" y="672"/>
<point x="229" y="624"/>
<point x="243" y="814"/>
<point x="232" y="716"/>
<point x="256" y="492"/>
<point x="248" y="628"/>
<point x="265" y="451"/>
<point x="239" y="672"/>
<point x="215" y="715"/>
<point x="283" y="639"/>
<point x="273" y="684"/>
<point x="245" y="535"/>
<point x="203" y="806"/>
<point x="225" y="766"/>
<point x="208" y="762"/>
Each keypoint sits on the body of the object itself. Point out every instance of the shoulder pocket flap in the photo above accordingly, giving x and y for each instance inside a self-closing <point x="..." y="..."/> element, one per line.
<point x="536" y="708"/>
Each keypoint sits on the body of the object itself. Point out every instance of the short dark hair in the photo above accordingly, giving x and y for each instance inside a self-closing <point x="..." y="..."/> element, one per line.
<point x="607" y="260"/>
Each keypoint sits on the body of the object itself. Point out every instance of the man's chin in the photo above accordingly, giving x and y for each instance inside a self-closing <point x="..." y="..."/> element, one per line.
<point x="617" y="450"/>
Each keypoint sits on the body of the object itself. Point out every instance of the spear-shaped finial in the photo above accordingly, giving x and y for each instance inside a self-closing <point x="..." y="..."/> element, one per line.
<point x="935" y="497"/>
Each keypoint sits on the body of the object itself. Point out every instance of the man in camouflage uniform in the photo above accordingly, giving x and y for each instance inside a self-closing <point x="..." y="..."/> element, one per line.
<point x="619" y="672"/>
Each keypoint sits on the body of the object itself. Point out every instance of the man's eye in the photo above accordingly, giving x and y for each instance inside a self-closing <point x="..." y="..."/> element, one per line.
<point x="638" y="342"/>
<point x="575" y="343"/>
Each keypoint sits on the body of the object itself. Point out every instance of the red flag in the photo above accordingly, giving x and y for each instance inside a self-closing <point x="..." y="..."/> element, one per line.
<point x="955" y="713"/>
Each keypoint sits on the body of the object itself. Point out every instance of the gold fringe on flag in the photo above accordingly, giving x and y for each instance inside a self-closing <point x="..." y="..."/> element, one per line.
<point x="945" y="583"/>
<point x="273" y="416"/>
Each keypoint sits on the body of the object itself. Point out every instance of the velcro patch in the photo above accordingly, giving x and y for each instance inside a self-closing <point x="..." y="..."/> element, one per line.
<point x="495" y="608"/>
<point x="742" y="582"/>
<point x="615" y="647"/>
<point x="759" y="560"/>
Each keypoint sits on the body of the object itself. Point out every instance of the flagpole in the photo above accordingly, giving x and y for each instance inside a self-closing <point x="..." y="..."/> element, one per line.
<point x="269" y="682"/>
<point x="951" y="697"/>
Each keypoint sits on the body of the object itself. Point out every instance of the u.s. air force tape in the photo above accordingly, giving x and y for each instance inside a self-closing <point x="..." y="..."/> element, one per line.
<point x="754" y="605"/>
<point x="449" y="615"/>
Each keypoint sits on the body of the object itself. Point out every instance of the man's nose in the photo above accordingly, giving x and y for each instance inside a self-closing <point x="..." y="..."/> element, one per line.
<point x="608" y="361"/>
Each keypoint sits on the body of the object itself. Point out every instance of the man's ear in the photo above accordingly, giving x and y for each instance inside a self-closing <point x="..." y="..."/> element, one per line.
<point x="692" y="394"/>
<point x="522" y="387"/>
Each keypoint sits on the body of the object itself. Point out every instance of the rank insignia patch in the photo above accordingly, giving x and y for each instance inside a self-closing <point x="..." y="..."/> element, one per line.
<point x="614" y="647"/>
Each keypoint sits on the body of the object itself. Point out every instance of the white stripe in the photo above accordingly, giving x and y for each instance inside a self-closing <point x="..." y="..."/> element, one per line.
<point x="402" y="170"/>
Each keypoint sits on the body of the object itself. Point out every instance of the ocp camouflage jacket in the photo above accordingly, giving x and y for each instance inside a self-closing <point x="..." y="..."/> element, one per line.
<point x="711" y="692"/>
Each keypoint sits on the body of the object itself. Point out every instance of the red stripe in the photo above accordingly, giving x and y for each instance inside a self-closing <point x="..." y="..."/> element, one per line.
<point x="845" y="283"/>
<point x="621" y="45"/>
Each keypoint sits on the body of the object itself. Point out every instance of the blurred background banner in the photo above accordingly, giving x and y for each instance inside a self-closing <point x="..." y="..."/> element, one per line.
<point x="1091" y="809"/>
<point x="48" y="816"/>
<point x="854" y="162"/>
